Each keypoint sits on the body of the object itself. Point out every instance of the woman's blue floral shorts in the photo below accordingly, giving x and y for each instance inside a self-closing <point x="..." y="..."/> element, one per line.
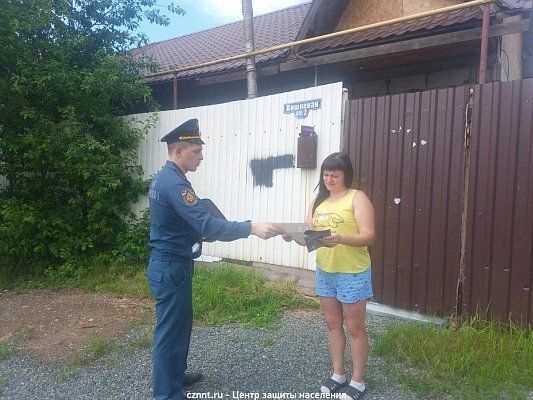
<point x="347" y="288"/>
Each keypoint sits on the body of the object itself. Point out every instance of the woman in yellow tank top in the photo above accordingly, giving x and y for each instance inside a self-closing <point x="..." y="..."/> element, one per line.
<point x="343" y="277"/>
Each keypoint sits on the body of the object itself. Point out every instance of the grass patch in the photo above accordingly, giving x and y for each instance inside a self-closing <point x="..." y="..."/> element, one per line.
<point x="220" y="295"/>
<point x="66" y="373"/>
<point x="79" y="360"/>
<point x="6" y="350"/>
<point x="143" y="342"/>
<point x="7" y="347"/>
<point x="101" y="274"/>
<point x="225" y="294"/>
<point x="143" y="322"/>
<point x="480" y="360"/>
<point x="24" y="333"/>
<point x="376" y="384"/>
<point x="97" y="347"/>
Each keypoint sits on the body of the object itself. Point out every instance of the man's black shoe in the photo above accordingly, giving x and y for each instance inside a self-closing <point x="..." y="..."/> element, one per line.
<point x="192" y="378"/>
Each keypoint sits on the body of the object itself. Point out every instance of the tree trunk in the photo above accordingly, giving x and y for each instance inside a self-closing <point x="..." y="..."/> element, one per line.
<point x="251" y="74"/>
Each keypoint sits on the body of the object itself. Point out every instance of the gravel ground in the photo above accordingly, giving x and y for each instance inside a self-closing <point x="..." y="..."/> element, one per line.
<point x="289" y="357"/>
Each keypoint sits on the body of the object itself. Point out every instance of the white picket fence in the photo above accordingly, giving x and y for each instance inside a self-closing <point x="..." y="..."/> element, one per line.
<point x="235" y="134"/>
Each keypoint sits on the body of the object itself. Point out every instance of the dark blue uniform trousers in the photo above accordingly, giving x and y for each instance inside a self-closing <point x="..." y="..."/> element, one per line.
<point x="171" y="284"/>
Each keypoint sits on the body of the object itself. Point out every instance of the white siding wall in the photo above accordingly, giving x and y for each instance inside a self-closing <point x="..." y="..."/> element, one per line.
<point x="236" y="133"/>
<point x="3" y="182"/>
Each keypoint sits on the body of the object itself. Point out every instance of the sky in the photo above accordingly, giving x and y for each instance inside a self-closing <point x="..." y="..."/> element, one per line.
<point x="205" y="14"/>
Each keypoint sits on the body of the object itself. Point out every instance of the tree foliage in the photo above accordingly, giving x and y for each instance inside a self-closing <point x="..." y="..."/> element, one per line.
<point x="66" y="82"/>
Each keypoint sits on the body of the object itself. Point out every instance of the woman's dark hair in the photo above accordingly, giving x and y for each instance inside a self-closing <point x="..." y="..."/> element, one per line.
<point x="333" y="162"/>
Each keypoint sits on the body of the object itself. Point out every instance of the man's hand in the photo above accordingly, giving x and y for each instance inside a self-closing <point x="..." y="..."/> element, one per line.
<point x="287" y="238"/>
<point x="265" y="230"/>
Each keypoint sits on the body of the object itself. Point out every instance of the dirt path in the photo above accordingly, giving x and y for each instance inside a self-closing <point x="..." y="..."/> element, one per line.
<point x="54" y="324"/>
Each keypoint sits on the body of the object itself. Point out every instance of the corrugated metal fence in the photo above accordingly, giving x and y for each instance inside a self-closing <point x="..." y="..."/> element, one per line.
<point x="409" y="155"/>
<point x="249" y="164"/>
<point x="500" y="223"/>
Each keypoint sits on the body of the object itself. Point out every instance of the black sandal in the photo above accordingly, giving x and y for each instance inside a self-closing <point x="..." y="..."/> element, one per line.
<point x="332" y="385"/>
<point x="355" y="394"/>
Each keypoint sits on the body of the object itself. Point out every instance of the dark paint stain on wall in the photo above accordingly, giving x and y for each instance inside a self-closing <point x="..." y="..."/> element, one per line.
<point x="263" y="169"/>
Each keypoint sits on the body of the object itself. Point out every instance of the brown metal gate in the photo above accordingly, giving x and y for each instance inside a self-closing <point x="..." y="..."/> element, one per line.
<point x="409" y="156"/>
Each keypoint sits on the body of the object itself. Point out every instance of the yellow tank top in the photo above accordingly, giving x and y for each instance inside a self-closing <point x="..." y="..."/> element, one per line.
<point x="338" y="217"/>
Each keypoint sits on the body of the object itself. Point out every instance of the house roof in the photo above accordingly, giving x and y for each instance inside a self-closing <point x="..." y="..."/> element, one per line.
<point x="294" y="23"/>
<point x="272" y="29"/>
<point x="448" y="19"/>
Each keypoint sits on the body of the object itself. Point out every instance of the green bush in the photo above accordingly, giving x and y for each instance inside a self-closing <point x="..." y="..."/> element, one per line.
<point x="66" y="83"/>
<point x="133" y="244"/>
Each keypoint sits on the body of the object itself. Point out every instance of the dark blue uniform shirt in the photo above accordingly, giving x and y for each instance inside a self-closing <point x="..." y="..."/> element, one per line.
<point x="178" y="221"/>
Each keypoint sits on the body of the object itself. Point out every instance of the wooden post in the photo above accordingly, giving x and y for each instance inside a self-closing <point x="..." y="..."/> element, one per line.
<point x="484" y="43"/>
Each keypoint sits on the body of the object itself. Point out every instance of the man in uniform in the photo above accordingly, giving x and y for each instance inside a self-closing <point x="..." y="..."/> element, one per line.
<point x="178" y="223"/>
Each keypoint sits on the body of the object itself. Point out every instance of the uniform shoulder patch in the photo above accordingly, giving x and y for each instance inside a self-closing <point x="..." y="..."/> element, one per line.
<point x="189" y="197"/>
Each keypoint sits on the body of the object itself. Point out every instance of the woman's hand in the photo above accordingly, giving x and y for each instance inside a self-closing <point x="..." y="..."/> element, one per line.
<point x="331" y="240"/>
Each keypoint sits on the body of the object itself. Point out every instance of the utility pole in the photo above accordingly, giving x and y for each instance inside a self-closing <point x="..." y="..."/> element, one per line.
<point x="251" y="73"/>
